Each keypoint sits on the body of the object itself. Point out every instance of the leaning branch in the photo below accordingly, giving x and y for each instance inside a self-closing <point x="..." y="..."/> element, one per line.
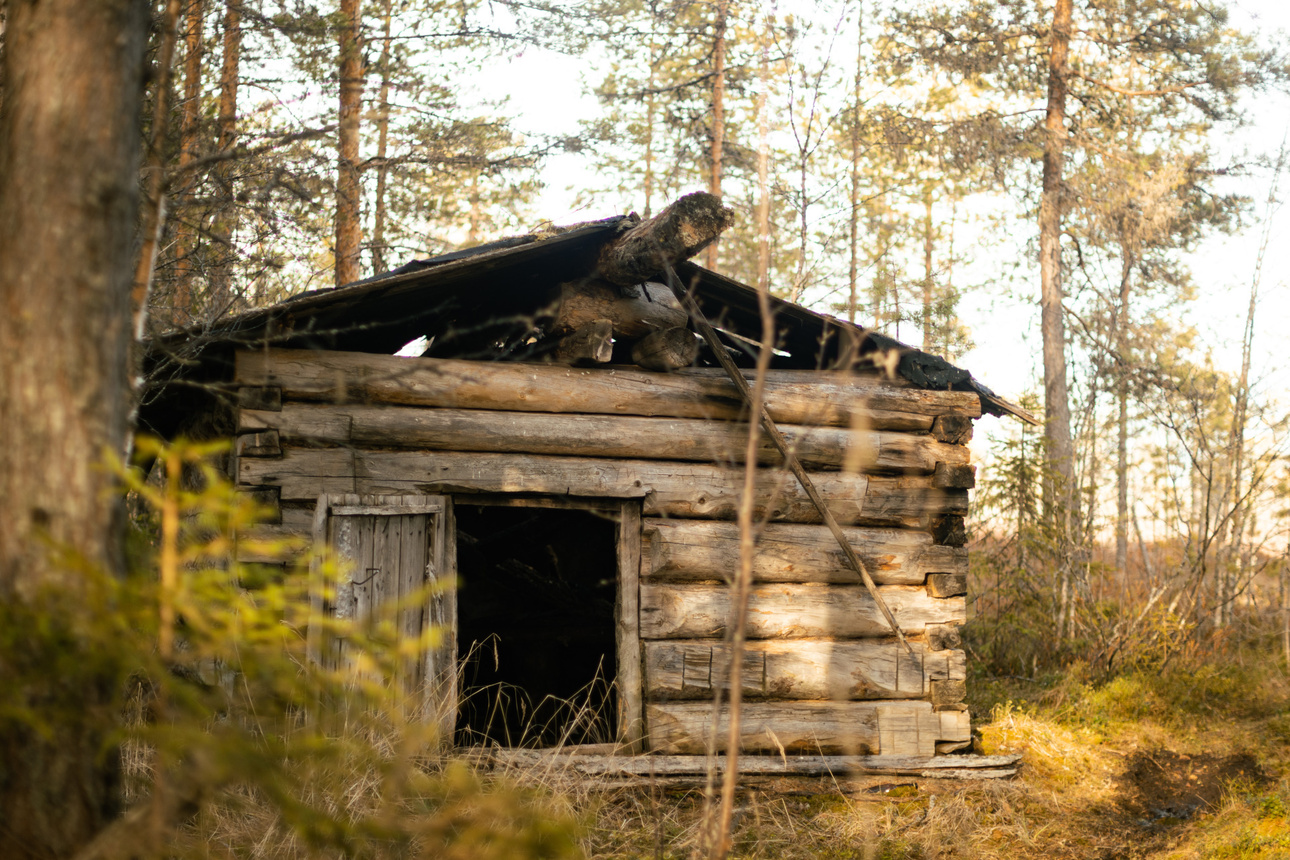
<point x="781" y="444"/>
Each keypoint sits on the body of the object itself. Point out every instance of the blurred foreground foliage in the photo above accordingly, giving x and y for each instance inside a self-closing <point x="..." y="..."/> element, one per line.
<point x="231" y="742"/>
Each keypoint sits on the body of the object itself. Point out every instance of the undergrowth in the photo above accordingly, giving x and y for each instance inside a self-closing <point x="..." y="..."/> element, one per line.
<point x="260" y="754"/>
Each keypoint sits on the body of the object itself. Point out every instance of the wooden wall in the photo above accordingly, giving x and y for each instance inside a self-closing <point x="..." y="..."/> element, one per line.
<point x="821" y="673"/>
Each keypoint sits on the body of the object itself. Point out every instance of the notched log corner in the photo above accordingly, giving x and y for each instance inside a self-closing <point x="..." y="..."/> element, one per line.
<point x="267" y="398"/>
<point x="677" y="233"/>
<point x="949" y="530"/>
<point x="954" y="429"/>
<point x="946" y="584"/>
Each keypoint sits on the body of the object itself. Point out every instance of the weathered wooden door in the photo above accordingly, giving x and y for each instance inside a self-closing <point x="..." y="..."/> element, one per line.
<point x="394" y="576"/>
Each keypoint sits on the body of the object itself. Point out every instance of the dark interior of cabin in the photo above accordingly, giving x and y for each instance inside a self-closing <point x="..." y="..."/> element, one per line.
<point x="535" y="611"/>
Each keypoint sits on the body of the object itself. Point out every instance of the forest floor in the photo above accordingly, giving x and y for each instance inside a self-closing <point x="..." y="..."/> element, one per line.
<point x="1189" y="762"/>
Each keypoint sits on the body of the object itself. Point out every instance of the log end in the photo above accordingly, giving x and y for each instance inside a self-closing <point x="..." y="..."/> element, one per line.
<point x="677" y="233"/>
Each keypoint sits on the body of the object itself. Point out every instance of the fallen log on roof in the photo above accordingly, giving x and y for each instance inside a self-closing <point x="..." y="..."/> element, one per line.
<point x="680" y="231"/>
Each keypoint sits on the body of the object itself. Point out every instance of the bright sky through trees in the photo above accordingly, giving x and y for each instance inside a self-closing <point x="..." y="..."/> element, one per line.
<point x="550" y="94"/>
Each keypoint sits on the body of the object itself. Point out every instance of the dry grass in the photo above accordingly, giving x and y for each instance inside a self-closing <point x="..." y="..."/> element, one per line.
<point x="1188" y="763"/>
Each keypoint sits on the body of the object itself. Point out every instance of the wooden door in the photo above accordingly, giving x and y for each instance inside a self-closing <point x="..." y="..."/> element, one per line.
<point x="394" y="574"/>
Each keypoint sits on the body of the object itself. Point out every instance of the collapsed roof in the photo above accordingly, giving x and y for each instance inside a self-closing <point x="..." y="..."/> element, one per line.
<point x="495" y="302"/>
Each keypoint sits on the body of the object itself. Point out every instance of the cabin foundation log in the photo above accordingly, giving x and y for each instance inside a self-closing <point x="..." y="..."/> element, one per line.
<point x="828" y="728"/>
<point x="657" y="766"/>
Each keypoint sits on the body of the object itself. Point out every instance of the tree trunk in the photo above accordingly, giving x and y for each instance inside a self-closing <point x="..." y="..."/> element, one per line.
<point x="763" y="169"/>
<point x="718" y="112"/>
<point x="1122" y="433"/>
<point x="854" y="220"/>
<point x="928" y="286"/>
<point x="382" y="146"/>
<point x="154" y="210"/>
<point x="221" y="293"/>
<point x="349" y="193"/>
<point x="650" y="97"/>
<point x="1059" y="486"/>
<point x="69" y="150"/>
<point x="181" y="312"/>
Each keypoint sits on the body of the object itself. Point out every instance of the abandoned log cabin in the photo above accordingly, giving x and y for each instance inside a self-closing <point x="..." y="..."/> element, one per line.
<point x="557" y="444"/>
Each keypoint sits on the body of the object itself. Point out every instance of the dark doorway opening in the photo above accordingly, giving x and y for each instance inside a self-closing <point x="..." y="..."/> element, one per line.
<point x="536" y="641"/>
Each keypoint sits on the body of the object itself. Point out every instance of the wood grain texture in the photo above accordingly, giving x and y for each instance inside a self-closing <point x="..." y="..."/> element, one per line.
<point x="681" y="490"/>
<point x="624" y="437"/>
<point x="933" y="767"/>
<point x="848" y="728"/>
<point x="682" y="611"/>
<point x="837" y="670"/>
<point x="631" y="717"/>
<point x="633" y="311"/>
<point x="696" y="550"/>
<point x="793" y="397"/>
<point x="666" y="350"/>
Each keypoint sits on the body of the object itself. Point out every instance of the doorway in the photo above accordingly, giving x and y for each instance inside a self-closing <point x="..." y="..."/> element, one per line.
<point x="536" y="634"/>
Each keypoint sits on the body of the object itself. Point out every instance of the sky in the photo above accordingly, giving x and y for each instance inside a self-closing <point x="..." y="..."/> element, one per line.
<point x="548" y="89"/>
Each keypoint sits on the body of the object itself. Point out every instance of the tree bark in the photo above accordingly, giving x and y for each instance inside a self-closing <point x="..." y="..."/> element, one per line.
<point x="1059" y="491"/>
<point x="854" y="219"/>
<point x="154" y="210"/>
<point x="349" y="230"/>
<point x="1122" y="433"/>
<point x="220" y="291"/>
<point x="382" y="149"/>
<point x="718" y="112"/>
<point x="69" y="156"/>
<point x="928" y="284"/>
<point x="182" y="310"/>
<point x="763" y="167"/>
<point x="1058" y="487"/>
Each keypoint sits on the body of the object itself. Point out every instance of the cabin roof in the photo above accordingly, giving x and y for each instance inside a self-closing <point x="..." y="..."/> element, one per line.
<point x="480" y="296"/>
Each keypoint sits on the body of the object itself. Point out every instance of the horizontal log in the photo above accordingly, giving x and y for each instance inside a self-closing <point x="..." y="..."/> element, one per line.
<point x="683" y="490"/>
<point x="267" y="398"/>
<point x="590" y="343"/>
<point x="932" y="767"/>
<point x="955" y="725"/>
<point x="954" y="476"/>
<point x="949" y="530"/>
<point x="792" y="397"/>
<point x="666" y="350"/>
<point x="799" y="669"/>
<point x="674" y="611"/>
<point x="946" y="584"/>
<point x="677" y="233"/>
<point x="619" y="436"/>
<point x="694" y="550"/>
<point x="265" y="443"/>
<point x="850" y="728"/>
<point x="631" y="312"/>
<point x="948" y="691"/>
<point x="944" y="637"/>
<point x="955" y="429"/>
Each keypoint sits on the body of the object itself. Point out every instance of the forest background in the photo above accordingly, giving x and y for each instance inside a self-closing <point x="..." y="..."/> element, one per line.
<point x="926" y="169"/>
<point x="920" y="173"/>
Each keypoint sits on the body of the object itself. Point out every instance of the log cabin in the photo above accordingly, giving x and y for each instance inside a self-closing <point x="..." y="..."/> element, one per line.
<point x="549" y="431"/>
